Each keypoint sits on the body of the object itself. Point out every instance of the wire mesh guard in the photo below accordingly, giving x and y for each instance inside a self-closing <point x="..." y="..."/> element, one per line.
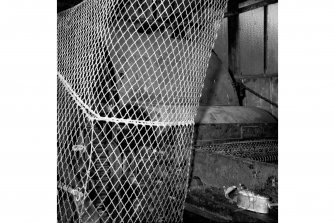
<point x="259" y="150"/>
<point x="130" y="75"/>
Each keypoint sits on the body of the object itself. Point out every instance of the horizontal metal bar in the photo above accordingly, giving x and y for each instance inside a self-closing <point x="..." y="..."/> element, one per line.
<point x="256" y="76"/>
<point x="250" y="7"/>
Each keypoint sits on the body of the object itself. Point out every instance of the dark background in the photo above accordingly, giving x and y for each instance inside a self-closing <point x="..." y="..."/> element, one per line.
<point x="65" y="4"/>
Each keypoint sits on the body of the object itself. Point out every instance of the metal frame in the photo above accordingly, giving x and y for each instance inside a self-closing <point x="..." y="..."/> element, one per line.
<point x="232" y="15"/>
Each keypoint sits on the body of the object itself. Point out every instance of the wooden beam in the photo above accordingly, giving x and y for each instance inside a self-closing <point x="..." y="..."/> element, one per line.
<point x="256" y="76"/>
<point x="237" y="11"/>
<point x="233" y="45"/>
<point x="265" y="42"/>
<point x="233" y="39"/>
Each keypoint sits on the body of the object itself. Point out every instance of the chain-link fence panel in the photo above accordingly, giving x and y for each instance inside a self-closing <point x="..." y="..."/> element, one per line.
<point x="130" y="75"/>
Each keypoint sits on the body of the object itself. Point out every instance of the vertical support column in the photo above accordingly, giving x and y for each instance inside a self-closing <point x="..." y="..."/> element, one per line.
<point x="233" y="45"/>
<point x="265" y="38"/>
<point x="266" y="53"/>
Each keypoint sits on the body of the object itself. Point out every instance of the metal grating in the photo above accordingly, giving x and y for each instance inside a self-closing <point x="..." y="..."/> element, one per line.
<point x="259" y="150"/>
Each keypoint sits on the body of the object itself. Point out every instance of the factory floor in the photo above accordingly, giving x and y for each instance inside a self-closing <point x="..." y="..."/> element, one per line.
<point x="190" y="217"/>
<point x="207" y="205"/>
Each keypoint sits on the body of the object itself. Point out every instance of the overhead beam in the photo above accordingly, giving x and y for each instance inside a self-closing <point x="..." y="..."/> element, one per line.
<point x="263" y="3"/>
<point x="256" y="76"/>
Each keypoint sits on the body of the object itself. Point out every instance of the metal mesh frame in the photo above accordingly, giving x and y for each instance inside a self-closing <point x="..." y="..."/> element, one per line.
<point x="259" y="150"/>
<point x="130" y="75"/>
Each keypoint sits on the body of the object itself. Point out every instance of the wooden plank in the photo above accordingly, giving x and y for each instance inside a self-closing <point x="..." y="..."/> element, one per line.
<point x="272" y="39"/>
<point x="251" y="43"/>
<point x="272" y="53"/>
<point x="251" y="38"/>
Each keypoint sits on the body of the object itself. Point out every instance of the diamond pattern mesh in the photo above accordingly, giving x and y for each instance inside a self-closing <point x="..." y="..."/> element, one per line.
<point x="260" y="150"/>
<point x="130" y="75"/>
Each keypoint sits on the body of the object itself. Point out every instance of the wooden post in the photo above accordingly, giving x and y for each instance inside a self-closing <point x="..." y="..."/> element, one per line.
<point x="265" y="71"/>
<point x="265" y="38"/>
<point x="233" y="44"/>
